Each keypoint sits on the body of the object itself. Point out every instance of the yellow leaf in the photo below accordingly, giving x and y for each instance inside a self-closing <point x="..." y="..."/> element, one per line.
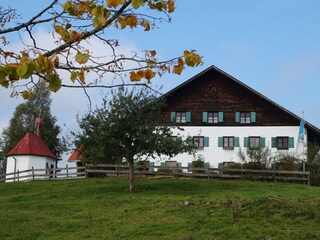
<point x="82" y="58"/>
<point x="74" y="76"/>
<point x="81" y="76"/>
<point x="178" y="69"/>
<point x="192" y="59"/>
<point x="132" y="21"/>
<point x="145" y="24"/>
<point x="149" y="74"/>
<point x="26" y="94"/>
<point x="115" y="3"/>
<point x="137" y="3"/>
<point x="134" y="77"/>
<point x="171" y="6"/>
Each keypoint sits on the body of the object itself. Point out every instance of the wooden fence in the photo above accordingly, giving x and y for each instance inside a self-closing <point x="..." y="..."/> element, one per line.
<point x="108" y="170"/>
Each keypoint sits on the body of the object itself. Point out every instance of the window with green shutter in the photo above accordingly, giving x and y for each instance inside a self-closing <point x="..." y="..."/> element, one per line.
<point x="205" y="117"/>
<point x="173" y="116"/>
<point x="188" y="117"/>
<point x="253" y="117"/>
<point x="206" y="141"/>
<point x="237" y="117"/>
<point x="228" y="143"/>
<point x="291" y="142"/>
<point x="236" y="142"/>
<point x="220" y="141"/>
<point x="220" y="117"/>
<point x="190" y="167"/>
<point x="262" y="142"/>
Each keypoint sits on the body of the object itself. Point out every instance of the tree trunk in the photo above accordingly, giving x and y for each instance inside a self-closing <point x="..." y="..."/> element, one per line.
<point x="131" y="174"/>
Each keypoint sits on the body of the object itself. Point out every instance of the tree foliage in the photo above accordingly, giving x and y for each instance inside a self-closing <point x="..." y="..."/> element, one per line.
<point x="127" y="128"/>
<point x="75" y="22"/>
<point x="24" y="118"/>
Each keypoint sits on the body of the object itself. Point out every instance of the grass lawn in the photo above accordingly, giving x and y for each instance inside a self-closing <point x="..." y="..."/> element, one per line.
<point x="159" y="209"/>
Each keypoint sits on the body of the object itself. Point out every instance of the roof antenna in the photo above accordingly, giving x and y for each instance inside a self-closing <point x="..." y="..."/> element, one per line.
<point x="39" y="123"/>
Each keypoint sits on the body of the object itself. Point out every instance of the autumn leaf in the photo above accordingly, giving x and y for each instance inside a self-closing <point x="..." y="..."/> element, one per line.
<point x="171" y="6"/>
<point x="153" y="53"/>
<point x="82" y="58"/>
<point x="137" y="3"/>
<point x="134" y="77"/>
<point x="22" y="69"/>
<point x="26" y="94"/>
<point x="74" y="76"/>
<point x="149" y="74"/>
<point x="54" y="82"/>
<point x="82" y="76"/>
<point x="192" y="59"/>
<point x="115" y="3"/>
<point x="145" y="24"/>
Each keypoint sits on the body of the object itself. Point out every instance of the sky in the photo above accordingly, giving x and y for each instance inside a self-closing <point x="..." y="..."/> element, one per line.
<point x="273" y="46"/>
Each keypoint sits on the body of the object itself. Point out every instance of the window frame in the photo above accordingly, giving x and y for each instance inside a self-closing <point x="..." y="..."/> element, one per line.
<point x="245" y="116"/>
<point x="214" y="117"/>
<point x="198" y="141"/>
<point x="180" y="117"/>
<point x="280" y="139"/>
<point x="229" y="146"/>
<point x="249" y="142"/>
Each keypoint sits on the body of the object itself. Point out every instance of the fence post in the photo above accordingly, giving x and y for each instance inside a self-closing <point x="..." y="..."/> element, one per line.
<point x="117" y="169"/>
<point x="145" y="169"/>
<point x="32" y="173"/>
<point x="67" y="170"/>
<point x="18" y="175"/>
<point x="85" y="170"/>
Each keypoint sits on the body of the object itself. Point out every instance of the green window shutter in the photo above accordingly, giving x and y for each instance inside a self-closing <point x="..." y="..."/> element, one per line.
<point x="291" y="142"/>
<point x="237" y="117"/>
<point x="151" y="167"/>
<point x="206" y="165"/>
<point x="253" y="117"/>
<point x="204" y="117"/>
<point x="190" y="141"/>
<point x="173" y="116"/>
<point x="220" y="141"/>
<point x="220" y="165"/>
<point x="188" y="116"/>
<point x="179" y="164"/>
<point x="236" y="142"/>
<point x="246" y="142"/>
<point x="273" y="142"/>
<point x="262" y="142"/>
<point x="220" y="116"/>
<point x="190" y="167"/>
<point x="163" y="164"/>
<point x="206" y="142"/>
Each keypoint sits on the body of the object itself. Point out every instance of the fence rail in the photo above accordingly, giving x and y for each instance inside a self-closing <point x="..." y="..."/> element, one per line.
<point x="105" y="170"/>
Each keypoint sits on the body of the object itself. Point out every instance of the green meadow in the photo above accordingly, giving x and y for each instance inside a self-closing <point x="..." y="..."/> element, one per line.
<point x="182" y="209"/>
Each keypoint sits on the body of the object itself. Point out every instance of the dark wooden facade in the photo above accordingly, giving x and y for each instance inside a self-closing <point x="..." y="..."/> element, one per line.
<point x="215" y="90"/>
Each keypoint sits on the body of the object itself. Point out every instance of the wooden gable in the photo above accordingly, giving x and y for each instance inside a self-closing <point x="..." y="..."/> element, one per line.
<point x="216" y="91"/>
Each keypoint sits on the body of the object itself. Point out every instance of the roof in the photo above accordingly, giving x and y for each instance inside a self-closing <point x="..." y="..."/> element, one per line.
<point x="32" y="144"/>
<point x="76" y="155"/>
<point x="214" y="68"/>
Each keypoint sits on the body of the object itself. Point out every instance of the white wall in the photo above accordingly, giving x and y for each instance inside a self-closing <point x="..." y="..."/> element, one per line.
<point x="214" y="154"/>
<point x="26" y="162"/>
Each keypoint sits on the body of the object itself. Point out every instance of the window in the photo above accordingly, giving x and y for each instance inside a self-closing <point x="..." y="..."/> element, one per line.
<point x="181" y="117"/>
<point x="245" y="117"/>
<point x="198" y="142"/>
<point x="282" y="142"/>
<point x="213" y="117"/>
<point x="254" y="142"/>
<point x="228" y="142"/>
<point x="171" y="163"/>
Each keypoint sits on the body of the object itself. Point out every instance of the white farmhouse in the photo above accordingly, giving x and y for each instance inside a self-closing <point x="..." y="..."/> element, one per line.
<point x="221" y="115"/>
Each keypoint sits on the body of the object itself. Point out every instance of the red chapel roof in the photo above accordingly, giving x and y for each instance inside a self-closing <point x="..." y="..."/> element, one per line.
<point x="32" y="144"/>
<point x="76" y="155"/>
